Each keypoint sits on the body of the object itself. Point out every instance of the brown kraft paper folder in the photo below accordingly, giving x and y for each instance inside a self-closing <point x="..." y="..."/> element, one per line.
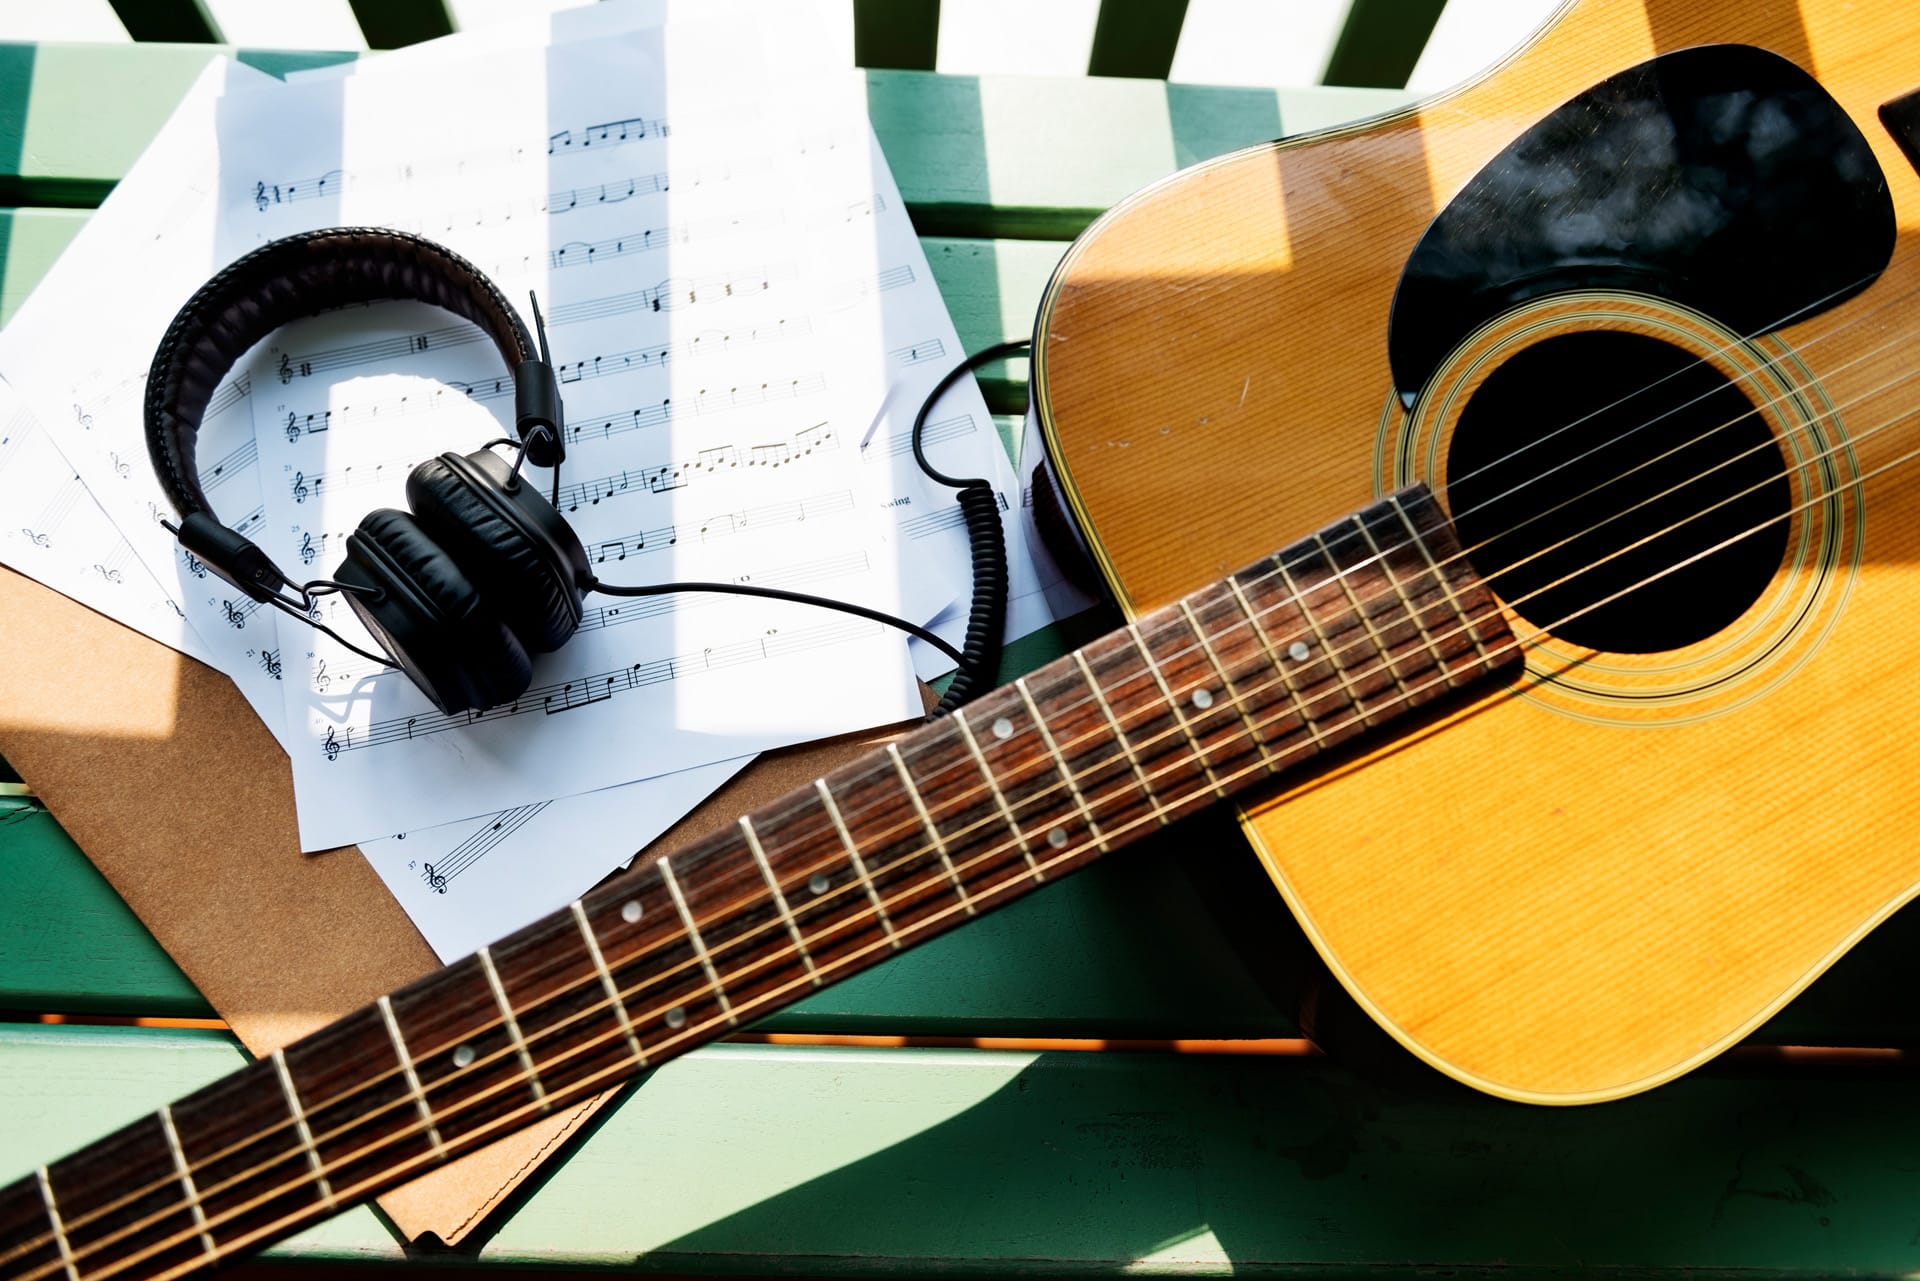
<point x="162" y="773"/>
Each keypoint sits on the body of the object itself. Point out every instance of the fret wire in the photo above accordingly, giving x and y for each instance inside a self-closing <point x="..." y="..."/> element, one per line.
<point x="512" y="1025"/>
<point x="606" y="982"/>
<point x="1226" y="681"/>
<point x="59" y="1230"/>
<point x="1166" y="691"/>
<point x="1279" y="663"/>
<point x="1059" y="762"/>
<point x="593" y="1081"/>
<point x="693" y="936"/>
<point x="999" y="797"/>
<point x="1126" y="745"/>
<point x="859" y="866"/>
<point x="1237" y="774"/>
<point x="926" y="820"/>
<point x="299" y="1124"/>
<point x="1453" y="601"/>
<point x="779" y="899"/>
<point x="186" y="1177"/>
<point x="413" y="1077"/>
<point x="1360" y="612"/>
<point x="1326" y="647"/>
<point x="1413" y="612"/>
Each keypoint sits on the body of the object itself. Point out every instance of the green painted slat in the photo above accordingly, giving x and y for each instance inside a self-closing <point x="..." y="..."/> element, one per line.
<point x="67" y="941"/>
<point x="966" y="150"/>
<point x="987" y="156"/>
<point x="66" y="142"/>
<point x="1136" y="38"/>
<point x="171" y="20"/>
<point x="1381" y="41"/>
<point x="390" y="24"/>
<point x="903" y="34"/>
<point x="30" y="241"/>
<point x="851" y="1163"/>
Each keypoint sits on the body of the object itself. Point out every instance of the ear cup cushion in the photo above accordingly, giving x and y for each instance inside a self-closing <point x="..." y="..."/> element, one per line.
<point x="430" y="617"/>
<point x="524" y="558"/>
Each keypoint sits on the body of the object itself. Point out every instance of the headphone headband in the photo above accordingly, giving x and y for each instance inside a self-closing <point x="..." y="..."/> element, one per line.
<point x="300" y="276"/>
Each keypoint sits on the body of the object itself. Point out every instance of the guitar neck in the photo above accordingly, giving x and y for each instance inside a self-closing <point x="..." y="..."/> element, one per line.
<point x="1255" y="674"/>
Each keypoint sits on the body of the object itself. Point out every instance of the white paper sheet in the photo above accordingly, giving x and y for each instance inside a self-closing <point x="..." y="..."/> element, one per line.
<point x="78" y="351"/>
<point x="57" y="534"/>
<point x="751" y="414"/>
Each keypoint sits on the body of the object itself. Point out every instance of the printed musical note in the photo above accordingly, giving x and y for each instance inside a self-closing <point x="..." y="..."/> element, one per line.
<point x="602" y="686"/>
<point x="918" y="353"/>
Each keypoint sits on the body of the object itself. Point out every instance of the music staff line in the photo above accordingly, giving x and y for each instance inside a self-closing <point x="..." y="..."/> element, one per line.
<point x="585" y="691"/>
<point x="350" y="673"/>
<point x="584" y="253"/>
<point x="267" y="194"/>
<point x="669" y="295"/>
<point x="657" y="479"/>
<point x="438" y="875"/>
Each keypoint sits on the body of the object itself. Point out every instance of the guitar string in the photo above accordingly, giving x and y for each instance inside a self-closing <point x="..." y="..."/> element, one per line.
<point x="1156" y="809"/>
<point x="1318" y="698"/>
<point x="1768" y="365"/>
<point x="1349" y="569"/>
<point x="594" y="1082"/>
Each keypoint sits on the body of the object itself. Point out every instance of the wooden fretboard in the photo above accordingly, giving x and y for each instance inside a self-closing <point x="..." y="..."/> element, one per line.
<point x="1334" y="636"/>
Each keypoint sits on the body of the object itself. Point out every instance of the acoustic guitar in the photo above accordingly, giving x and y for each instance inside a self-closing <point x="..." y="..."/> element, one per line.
<point x="1573" y="733"/>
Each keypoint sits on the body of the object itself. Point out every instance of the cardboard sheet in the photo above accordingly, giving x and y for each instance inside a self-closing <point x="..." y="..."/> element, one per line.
<point x="158" y="769"/>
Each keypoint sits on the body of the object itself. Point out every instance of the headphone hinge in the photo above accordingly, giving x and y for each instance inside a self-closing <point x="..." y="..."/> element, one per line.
<point x="231" y="556"/>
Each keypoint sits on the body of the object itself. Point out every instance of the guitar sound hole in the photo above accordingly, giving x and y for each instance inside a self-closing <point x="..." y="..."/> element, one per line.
<point x="1562" y="464"/>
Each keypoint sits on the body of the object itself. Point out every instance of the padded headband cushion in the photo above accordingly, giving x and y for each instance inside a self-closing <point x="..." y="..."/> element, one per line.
<point x="430" y="617"/>
<point x="526" y="561"/>
<point x="284" y="281"/>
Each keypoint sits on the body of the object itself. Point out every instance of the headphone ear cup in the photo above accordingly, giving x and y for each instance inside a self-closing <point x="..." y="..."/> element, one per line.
<point x="426" y="613"/>
<point x="522" y="555"/>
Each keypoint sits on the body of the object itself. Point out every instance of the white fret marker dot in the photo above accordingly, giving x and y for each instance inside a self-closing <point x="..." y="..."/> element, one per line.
<point x="1057" y="837"/>
<point x="1202" y="699"/>
<point x="631" y="912"/>
<point x="1298" y="651"/>
<point x="463" y="1056"/>
<point x="819" y="883"/>
<point x="1002" y="727"/>
<point x="677" y="1017"/>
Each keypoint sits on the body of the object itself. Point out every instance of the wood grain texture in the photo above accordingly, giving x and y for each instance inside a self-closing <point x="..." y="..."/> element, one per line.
<point x="1549" y="905"/>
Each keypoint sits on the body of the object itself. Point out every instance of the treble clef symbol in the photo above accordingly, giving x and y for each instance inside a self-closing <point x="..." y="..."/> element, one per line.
<point x="37" y="539"/>
<point x="270" y="660"/>
<point x="436" y="881"/>
<point x="307" y="550"/>
<point x="332" y="746"/>
<point x="235" y="615"/>
<point x="260" y="196"/>
<point x="81" y="416"/>
<point x="286" y="374"/>
<point x="111" y="575"/>
<point x="293" y="430"/>
<point x="321" y="681"/>
<point x="121" y="467"/>
<point x="299" y="487"/>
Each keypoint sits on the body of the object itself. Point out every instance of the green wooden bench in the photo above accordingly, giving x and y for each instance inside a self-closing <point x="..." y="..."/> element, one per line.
<point x="755" y="1158"/>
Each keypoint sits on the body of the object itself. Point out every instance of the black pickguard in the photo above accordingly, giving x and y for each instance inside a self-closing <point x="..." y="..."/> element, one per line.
<point x="1722" y="177"/>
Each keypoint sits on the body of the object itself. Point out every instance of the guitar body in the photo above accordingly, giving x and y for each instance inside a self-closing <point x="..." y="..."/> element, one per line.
<point x="1599" y="876"/>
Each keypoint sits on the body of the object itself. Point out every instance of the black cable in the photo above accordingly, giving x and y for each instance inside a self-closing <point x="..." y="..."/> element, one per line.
<point x="978" y="658"/>
<point x="293" y="611"/>
<point x="980" y="508"/>
<point x="775" y="593"/>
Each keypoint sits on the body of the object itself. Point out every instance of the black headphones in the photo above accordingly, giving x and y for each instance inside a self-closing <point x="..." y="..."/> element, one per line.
<point x="483" y="572"/>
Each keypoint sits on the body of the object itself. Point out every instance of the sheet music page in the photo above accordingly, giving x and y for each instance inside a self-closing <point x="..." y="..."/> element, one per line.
<point x="694" y="274"/>
<point x="467" y="883"/>
<point x="57" y="534"/>
<point x="78" y="350"/>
